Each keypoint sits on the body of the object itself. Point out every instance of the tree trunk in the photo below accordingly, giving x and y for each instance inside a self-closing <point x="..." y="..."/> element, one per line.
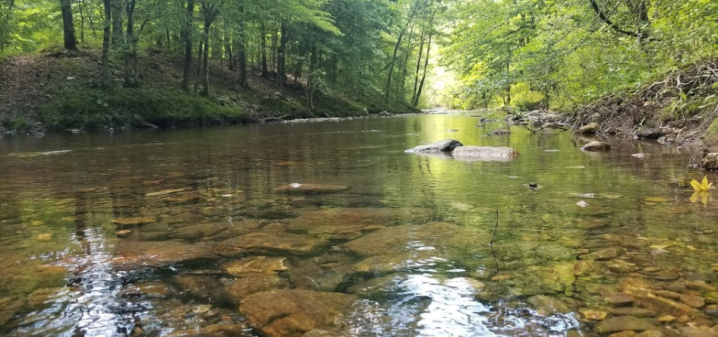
<point x="230" y="56"/>
<point x="205" y="63"/>
<point x="187" y="35"/>
<point x="396" y="49"/>
<point x="242" y="59"/>
<point x="67" y="27"/>
<point x="282" y="58"/>
<point x="310" y="78"/>
<point x="82" y="24"/>
<point x="263" y="46"/>
<point x="106" y="47"/>
<point x="117" y="34"/>
<point x="129" y="50"/>
<point x="418" y="68"/>
<point x="426" y="66"/>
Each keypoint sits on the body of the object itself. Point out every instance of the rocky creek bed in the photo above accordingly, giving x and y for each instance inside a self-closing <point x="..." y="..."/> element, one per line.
<point x="189" y="245"/>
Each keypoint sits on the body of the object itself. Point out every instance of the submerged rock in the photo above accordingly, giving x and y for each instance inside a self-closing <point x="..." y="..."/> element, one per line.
<point x="484" y="153"/>
<point x="131" y="255"/>
<point x="254" y="283"/>
<point x="219" y="330"/>
<point x="292" y="313"/>
<point x="270" y="242"/>
<point x="256" y="264"/>
<point x="446" y="145"/>
<point x="623" y="323"/>
<point x="195" y="232"/>
<point x="309" y="275"/>
<point x="129" y="222"/>
<point x="546" y="305"/>
<point x="311" y="188"/>
<point x="596" y="146"/>
<point x="351" y="223"/>
<point x="710" y="161"/>
<point x="8" y="307"/>
<point x="205" y="289"/>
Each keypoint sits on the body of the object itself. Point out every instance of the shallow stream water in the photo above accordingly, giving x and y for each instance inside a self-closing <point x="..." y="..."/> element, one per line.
<point x="199" y="233"/>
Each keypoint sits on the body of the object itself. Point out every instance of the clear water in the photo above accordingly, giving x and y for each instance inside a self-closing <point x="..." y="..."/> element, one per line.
<point x="67" y="271"/>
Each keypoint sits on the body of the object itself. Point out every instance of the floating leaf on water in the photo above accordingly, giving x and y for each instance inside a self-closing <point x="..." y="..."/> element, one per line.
<point x="610" y="195"/>
<point x="657" y="199"/>
<point x="700" y="196"/>
<point x="703" y="186"/>
<point x="165" y="192"/>
<point x="226" y="195"/>
<point x="639" y="155"/>
<point x="582" y="203"/>
<point x="552" y="150"/>
<point x="37" y="223"/>
<point x="580" y="167"/>
<point x="45" y="237"/>
<point x="584" y="195"/>
<point x="295" y="185"/>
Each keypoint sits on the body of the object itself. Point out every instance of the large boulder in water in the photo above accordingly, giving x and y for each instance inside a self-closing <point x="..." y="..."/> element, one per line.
<point x="710" y="161"/>
<point x="293" y="312"/>
<point x="484" y="153"/>
<point x="446" y="145"/>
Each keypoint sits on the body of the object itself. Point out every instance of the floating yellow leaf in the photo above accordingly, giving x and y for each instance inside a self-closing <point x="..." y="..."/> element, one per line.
<point x="37" y="223"/>
<point x="657" y="199"/>
<point x="701" y="196"/>
<point x="703" y="186"/>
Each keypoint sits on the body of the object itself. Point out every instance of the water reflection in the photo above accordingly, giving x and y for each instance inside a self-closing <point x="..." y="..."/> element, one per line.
<point x="129" y="234"/>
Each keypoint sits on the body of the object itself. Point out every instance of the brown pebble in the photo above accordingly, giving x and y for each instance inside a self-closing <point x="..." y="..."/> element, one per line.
<point x="623" y="334"/>
<point x="702" y="321"/>
<point x="123" y="233"/>
<point x="699" y="285"/>
<point x="618" y="299"/>
<point x="594" y="315"/>
<point x="683" y="319"/>
<point x="677" y="287"/>
<point x="693" y="301"/>
<point x="666" y="319"/>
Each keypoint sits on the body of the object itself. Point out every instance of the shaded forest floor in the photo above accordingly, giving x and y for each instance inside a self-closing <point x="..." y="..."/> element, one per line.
<point x="61" y="90"/>
<point x="677" y="107"/>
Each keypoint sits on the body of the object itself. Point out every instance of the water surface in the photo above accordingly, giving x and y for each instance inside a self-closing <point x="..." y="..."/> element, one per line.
<point x="128" y="233"/>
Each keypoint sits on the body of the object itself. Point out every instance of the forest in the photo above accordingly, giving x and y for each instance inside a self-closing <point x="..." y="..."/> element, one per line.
<point x="394" y="55"/>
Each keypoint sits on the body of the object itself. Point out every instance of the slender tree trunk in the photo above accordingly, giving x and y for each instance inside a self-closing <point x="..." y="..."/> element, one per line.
<point x="282" y="58"/>
<point x="396" y="49"/>
<point x="418" y="68"/>
<point x="209" y="17"/>
<point x="187" y="36"/>
<point x="263" y="46"/>
<point x="67" y="27"/>
<point x="273" y="62"/>
<point x="426" y="66"/>
<point x="117" y="34"/>
<point x="106" y="47"/>
<point x="82" y="24"/>
<point x="310" y="78"/>
<point x="200" y="53"/>
<point x="130" y="38"/>
<point x="242" y="59"/>
<point x="230" y="55"/>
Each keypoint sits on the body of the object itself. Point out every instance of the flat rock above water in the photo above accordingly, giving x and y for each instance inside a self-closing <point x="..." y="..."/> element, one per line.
<point x="291" y="312"/>
<point x="446" y="145"/>
<point x="270" y="242"/>
<point x="350" y="223"/>
<point x="484" y="153"/>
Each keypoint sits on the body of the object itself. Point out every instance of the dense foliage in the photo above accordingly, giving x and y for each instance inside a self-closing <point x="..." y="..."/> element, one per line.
<point x="372" y="50"/>
<point x="562" y="52"/>
<point x="525" y="53"/>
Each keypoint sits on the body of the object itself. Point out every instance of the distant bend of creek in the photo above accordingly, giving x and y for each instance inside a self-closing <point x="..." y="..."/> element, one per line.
<point x="331" y="229"/>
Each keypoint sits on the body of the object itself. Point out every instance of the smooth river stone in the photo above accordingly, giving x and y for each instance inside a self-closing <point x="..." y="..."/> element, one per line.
<point x="132" y="255"/>
<point x="484" y="153"/>
<point x="623" y="323"/>
<point x="194" y="232"/>
<point x="311" y="188"/>
<point x="292" y="312"/>
<point x="256" y="264"/>
<point x="254" y="283"/>
<point x="350" y="223"/>
<point x="268" y="243"/>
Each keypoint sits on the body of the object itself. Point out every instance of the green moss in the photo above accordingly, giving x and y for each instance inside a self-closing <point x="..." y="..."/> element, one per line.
<point x="82" y="106"/>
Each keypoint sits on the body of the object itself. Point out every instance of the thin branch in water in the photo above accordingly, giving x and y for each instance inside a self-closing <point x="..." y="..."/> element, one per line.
<point x="495" y="228"/>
